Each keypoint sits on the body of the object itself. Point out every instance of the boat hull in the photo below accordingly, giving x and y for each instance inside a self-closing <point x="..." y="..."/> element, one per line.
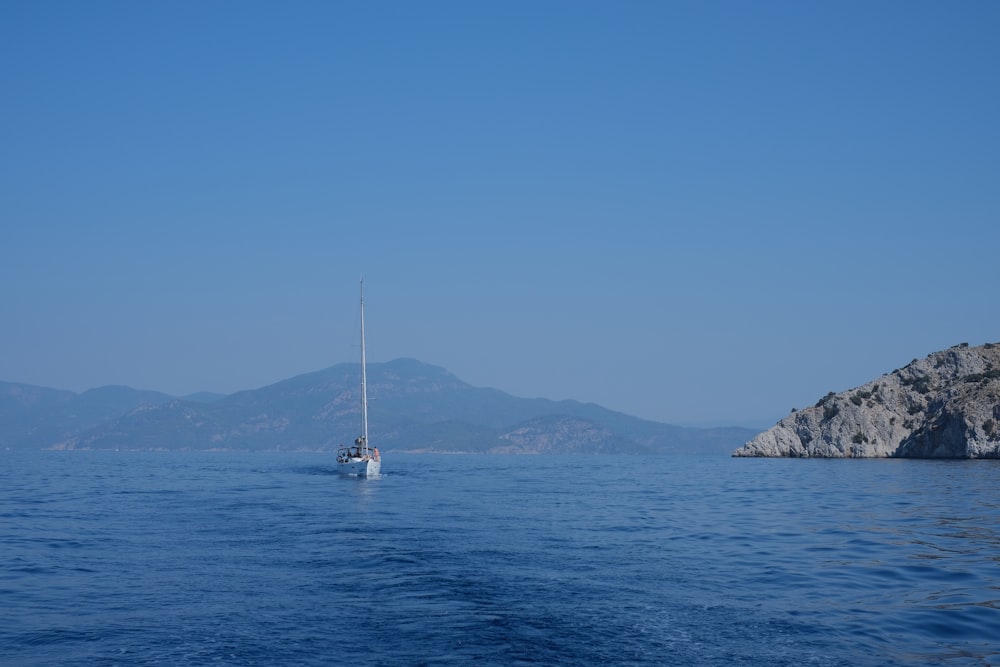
<point x="360" y="468"/>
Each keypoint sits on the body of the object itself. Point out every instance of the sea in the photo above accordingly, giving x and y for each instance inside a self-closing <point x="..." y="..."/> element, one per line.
<point x="229" y="558"/>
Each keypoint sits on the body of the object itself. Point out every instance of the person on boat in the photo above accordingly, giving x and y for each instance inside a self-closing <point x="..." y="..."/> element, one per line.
<point x="376" y="453"/>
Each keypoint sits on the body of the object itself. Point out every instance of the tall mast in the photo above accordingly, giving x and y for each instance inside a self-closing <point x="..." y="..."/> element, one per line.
<point x="364" y="379"/>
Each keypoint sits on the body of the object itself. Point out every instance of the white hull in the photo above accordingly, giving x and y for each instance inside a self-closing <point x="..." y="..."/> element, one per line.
<point x="360" y="468"/>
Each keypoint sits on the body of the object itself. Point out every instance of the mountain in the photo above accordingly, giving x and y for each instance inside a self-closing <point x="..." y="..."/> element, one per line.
<point x="946" y="405"/>
<point x="35" y="417"/>
<point x="412" y="407"/>
<point x="202" y="397"/>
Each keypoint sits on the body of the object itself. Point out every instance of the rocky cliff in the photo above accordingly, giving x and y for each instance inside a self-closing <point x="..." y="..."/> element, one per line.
<point x="944" y="406"/>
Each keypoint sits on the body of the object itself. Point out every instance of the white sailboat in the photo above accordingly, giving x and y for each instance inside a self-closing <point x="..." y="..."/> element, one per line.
<point x="361" y="459"/>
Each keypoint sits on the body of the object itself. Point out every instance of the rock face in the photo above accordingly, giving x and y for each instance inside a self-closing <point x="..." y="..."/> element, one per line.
<point x="944" y="406"/>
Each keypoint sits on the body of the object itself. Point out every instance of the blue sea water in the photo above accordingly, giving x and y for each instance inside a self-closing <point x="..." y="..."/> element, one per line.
<point x="126" y="558"/>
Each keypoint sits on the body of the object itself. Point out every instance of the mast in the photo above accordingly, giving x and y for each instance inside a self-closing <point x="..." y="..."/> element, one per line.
<point x="364" y="379"/>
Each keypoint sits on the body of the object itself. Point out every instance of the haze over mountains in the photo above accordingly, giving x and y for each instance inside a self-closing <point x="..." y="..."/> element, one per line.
<point x="412" y="407"/>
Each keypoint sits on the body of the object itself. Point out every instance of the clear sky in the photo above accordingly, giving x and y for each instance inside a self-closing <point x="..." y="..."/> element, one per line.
<point x="694" y="212"/>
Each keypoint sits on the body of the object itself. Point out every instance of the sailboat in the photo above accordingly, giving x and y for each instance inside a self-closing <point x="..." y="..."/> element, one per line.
<point x="361" y="459"/>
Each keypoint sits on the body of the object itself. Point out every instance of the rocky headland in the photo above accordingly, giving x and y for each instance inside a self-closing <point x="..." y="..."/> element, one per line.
<point x="946" y="405"/>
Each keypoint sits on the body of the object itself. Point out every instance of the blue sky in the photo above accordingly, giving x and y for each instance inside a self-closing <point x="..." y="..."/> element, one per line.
<point x="695" y="212"/>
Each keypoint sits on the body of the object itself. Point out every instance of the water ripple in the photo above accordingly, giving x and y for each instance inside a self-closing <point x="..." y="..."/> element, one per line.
<point x="151" y="559"/>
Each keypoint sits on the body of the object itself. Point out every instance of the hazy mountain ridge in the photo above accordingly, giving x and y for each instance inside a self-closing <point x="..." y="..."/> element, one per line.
<point x="946" y="405"/>
<point x="565" y="434"/>
<point x="412" y="406"/>
<point x="32" y="416"/>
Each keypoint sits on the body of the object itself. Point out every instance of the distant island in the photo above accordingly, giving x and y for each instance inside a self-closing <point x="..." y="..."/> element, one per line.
<point x="413" y="407"/>
<point x="946" y="405"/>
